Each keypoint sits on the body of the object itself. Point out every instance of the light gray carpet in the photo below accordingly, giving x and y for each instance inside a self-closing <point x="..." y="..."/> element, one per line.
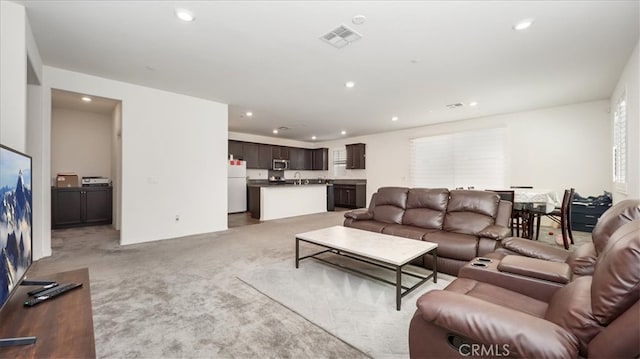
<point x="181" y="297"/>
<point x="356" y="309"/>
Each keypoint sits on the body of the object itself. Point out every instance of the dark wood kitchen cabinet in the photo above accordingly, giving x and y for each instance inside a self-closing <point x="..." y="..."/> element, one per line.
<point x="320" y="159"/>
<point x="280" y="153"/>
<point x="250" y="154"/>
<point x="296" y="158"/>
<point x="235" y="149"/>
<point x="356" y="156"/>
<point x="350" y="195"/>
<point x="344" y="195"/>
<point x="80" y="206"/>
<point x="258" y="156"/>
<point x="264" y="157"/>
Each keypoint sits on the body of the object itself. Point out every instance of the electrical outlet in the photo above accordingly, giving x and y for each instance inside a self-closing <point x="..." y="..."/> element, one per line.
<point x="177" y="218"/>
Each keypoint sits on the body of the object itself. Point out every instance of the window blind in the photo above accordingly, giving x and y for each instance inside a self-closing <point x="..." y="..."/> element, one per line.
<point x="620" y="143"/>
<point x="464" y="159"/>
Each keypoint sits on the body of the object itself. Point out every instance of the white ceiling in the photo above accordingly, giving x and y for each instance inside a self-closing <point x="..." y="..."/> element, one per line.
<point x="414" y="58"/>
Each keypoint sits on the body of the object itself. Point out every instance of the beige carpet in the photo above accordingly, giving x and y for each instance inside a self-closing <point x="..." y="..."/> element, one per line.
<point x="182" y="298"/>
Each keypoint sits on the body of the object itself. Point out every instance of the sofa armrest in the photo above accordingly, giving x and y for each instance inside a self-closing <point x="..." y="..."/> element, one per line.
<point x="502" y="328"/>
<point x="529" y="248"/>
<point x="536" y="268"/>
<point x="359" y="214"/>
<point x="495" y="231"/>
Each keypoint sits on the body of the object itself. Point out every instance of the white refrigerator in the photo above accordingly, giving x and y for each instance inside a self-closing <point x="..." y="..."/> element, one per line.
<point x="237" y="186"/>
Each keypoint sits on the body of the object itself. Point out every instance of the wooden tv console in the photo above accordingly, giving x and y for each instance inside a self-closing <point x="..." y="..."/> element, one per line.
<point x="63" y="326"/>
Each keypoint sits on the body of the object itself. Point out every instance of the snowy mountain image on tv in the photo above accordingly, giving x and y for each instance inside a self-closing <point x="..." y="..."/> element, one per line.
<point x="15" y="219"/>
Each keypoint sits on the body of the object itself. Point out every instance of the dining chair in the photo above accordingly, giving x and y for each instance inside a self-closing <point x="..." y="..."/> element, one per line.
<point x="514" y="221"/>
<point x="562" y="216"/>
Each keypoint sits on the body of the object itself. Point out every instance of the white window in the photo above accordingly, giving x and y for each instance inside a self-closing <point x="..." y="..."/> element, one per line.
<point x="620" y="144"/>
<point x="464" y="159"/>
<point x="339" y="162"/>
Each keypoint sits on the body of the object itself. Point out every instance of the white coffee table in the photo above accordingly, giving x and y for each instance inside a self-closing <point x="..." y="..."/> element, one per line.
<point x="382" y="250"/>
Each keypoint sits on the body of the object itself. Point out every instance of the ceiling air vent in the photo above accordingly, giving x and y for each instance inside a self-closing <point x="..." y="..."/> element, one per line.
<point x="455" y="105"/>
<point x="340" y="37"/>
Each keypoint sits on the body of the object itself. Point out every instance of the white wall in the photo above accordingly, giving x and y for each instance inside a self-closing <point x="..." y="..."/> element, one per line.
<point x="629" y="82"/>
<point x="174" y="150"/>
<point x="553" y="148"/>
<point x="13" y="75"/>
<point x="81" y="143"/>
<point x="116" y="164"/>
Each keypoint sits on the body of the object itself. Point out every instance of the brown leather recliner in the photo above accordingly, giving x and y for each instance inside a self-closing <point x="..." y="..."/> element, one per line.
<point x="592" y="316"/>
<point x="583" y="258"/>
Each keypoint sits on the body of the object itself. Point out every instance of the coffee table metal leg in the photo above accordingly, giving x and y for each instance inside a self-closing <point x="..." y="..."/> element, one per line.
<point x="398" y="287"/>
<point x="297" y="252"/>
<point x="435" y="265"/>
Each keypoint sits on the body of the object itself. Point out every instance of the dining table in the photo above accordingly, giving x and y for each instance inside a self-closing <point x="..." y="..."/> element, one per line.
<point x="531" y="204"/>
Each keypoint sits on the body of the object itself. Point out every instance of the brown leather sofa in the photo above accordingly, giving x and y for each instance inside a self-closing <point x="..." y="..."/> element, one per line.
<point x="593" y="316"/>
<point x="537" y="269"/>
<point x="464" y="223"/>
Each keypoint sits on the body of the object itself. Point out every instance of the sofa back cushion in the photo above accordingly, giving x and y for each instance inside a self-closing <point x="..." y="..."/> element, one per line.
<point x="390" y="204"/>
<point x="469" y="212"/>
<point x="616" y="216"/>
<point x="426" y="207"/>
<point x="616" y="278"/>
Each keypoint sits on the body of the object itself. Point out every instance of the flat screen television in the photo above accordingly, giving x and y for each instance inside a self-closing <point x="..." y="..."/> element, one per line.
<point x="15" y="220"/>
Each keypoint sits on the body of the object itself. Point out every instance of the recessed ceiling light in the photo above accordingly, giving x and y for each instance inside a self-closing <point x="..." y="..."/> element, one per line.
<point x="473" y="103"/>
<point x="349" y="84"/>
<point x="249" y="113"/>
<point x="343" y="132"/>
<point x="275" y="132"/>
<point x="185" y="15"/>
<point x="523" y="24"/>
<point x="359" y="19"/>
<point x="313" y="137"/>
<point x="86" y="98"/>
<point x="394" y="118"/>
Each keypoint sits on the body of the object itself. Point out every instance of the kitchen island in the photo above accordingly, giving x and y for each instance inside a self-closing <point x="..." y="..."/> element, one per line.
<point x="273" y="201"/>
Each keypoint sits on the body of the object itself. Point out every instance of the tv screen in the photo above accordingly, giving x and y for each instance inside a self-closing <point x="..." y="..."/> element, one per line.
<point x="15" y="219"/>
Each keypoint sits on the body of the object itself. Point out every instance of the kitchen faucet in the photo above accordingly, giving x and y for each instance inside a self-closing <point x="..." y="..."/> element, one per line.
<point x="297" y="176"/>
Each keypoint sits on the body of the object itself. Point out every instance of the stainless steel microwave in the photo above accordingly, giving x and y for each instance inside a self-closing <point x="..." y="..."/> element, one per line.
<point x="280" y="165"/>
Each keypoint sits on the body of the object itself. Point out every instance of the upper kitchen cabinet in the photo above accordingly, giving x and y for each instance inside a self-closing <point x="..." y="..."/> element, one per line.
<point x="320" y="160"/>
<point x="250" y="154"/>
<point x="356" y="156"/>
<point x="280" y="153"/>
<point x="235" y="149"/>
<point x="264" y="157"/>
<point x="296" y="158"/>
<point x="258" y="156"/>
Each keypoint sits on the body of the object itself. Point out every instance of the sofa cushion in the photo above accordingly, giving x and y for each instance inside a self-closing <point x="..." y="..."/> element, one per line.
<point x="614" y="218"/>
<point x="570" y="308"/>
<point x="498" y="295"/>
<point x="390" y="204"/>
<point x="454" y="245"/>
<point x="402" y="230"/>
<point x="470" y="212"/>
<point x="616" y="278"/>
<point x="426" y="207"/>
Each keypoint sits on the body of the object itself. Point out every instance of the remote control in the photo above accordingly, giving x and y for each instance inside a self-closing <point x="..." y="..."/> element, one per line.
<point x="42" y="289"/>
<point x="54" y="293"/>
